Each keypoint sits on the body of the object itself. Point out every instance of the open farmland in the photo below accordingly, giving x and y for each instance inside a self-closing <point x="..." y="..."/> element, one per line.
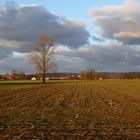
<point x="108" y="109"/>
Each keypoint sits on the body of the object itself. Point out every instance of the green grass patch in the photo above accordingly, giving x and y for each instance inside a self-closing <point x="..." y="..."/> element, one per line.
<point x="18" y="84"/>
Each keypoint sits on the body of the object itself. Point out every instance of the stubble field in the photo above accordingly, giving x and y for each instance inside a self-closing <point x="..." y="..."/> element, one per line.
<point x="108" y="109"/>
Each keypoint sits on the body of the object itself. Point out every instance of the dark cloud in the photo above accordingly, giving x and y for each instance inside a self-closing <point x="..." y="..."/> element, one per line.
<point x="104" y="58"/>
<point x="20" y="26"/>
<point x="4" y="52"/>
<point x="23" y="24"/>
<point x="111" y="57"/>
<point x="15" y="61"/>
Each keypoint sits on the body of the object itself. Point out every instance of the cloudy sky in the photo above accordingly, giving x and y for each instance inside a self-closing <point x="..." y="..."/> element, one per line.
<point x="104" y="35"/>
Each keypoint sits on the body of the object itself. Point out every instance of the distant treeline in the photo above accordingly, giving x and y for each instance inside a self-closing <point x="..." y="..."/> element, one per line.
<point x="89" y="74"/>
<point x="92" y="74"/>
<point x="130" y="75"/>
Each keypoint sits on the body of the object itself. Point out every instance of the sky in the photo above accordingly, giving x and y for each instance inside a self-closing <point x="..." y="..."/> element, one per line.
<point x="96" y="34"/>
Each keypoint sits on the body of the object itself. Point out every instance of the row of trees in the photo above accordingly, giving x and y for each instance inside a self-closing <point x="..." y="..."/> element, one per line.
<point x="130" y="75"/>
<point x="91" y="74"/>
<point x="18" y="75"/>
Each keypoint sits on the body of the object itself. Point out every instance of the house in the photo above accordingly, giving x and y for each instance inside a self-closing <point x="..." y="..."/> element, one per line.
<point x="33" y="78"/>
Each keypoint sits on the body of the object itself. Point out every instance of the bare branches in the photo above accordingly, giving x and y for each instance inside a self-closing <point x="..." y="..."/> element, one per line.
<point x="43" y="57"/>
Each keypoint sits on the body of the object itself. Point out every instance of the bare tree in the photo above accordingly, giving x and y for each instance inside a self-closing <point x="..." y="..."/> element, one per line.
<point x="43" y="57"/>
<point x="89" y="74"/>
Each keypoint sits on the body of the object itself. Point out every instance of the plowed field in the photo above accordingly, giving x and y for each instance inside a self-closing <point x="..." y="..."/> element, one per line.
<point x="72" y="110"/>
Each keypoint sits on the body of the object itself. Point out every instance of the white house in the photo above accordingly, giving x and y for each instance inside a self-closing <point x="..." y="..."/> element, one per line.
<point x="33" y="78"/>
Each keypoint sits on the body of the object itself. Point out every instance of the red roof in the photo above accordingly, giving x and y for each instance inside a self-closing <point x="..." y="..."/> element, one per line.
<point x="8" y="76"/>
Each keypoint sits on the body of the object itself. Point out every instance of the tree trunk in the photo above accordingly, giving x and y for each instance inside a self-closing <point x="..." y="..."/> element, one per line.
<point x="44" y="76"/>
<point x="43" y="79"/>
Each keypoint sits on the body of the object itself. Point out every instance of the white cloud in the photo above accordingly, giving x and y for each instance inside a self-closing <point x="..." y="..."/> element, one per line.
<point x="120" y="22"/>
<point x="9" y="43"/>
<point x="129" y="6"/>
<point x="127" y="35"/>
